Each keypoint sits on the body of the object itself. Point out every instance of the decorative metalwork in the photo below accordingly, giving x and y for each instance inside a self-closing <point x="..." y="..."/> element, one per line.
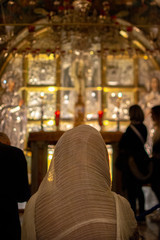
<point x="117" y="107"/>
<point x="35" y="104"/>
<point x="42" y="71"/>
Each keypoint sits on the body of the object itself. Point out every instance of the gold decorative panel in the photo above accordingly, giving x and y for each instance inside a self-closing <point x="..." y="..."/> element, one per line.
<point x="120" y="72"/>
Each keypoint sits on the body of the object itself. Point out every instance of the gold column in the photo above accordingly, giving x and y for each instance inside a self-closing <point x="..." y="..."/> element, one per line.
<point x="58" y="79"/>
<point x="25" y="77"/>
<point x="103" y="82"/>
<point x="136" y="92"/>
<point x="58" y="83"/>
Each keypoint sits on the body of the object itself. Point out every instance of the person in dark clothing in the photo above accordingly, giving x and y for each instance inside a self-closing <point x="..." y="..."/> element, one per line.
<point x="14" y="188"/>
<point x="132" y="158"/>
<point x="155" y="179"/>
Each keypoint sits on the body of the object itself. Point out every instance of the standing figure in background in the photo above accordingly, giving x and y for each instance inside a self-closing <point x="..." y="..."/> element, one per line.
<point x="14" y="187"/>
<point x="13" y="114"/>
<point x="151" y="99"/>
<point x="155" y="180"/>
<point x="133" y="160"/>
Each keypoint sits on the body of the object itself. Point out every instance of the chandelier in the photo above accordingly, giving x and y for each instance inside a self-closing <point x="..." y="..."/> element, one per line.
<point x="80" y="26"/>
<point x="82" y="5"/>
<point x="84" y="27"/>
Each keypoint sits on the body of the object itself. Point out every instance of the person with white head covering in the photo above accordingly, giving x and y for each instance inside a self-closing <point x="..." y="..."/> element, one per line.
<point x="74" y="200"/>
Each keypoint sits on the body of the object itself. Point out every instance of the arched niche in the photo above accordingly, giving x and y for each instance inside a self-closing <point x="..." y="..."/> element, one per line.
<point x="46" y="74"/>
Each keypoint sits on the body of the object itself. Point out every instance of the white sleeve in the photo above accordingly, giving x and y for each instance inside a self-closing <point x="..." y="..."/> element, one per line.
<point x="126" y="222"/>
<point x="28" y="223"/>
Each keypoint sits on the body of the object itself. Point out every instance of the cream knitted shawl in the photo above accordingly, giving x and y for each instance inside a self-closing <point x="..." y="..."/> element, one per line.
<point x="74" y="200"/>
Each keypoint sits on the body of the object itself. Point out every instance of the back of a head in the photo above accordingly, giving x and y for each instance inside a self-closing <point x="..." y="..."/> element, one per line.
<point x="136" y="114"/>
<point x="76" y="185"/>
<point x="84" y="146"/>
<point x="74" y="200"/>
<point x="4" y="138"/>
<point x="156" y="114"/>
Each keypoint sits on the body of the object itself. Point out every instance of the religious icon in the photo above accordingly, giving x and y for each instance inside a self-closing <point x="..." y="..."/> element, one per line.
<point x="149" y="100"/>
<point x="12" y="110"/>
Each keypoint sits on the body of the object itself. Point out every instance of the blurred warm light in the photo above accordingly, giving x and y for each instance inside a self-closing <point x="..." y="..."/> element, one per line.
<point x="110" y="156"/>
<point x="93" y="94"/>
<point x="139" y="45"/>
<point x="89" y="116"/>
<point x="69" y="126"/>
<point x="50" y="156"/>
<point x="105" y="89"/>
<point x="145" y="57"/>
<point x="113" y="94"/>
<point x="51" y="57"/>
<point x="15" y="109"/>
<point x="114" y="116"/>
<point x="49" y="159"/>
<point x="42" y="94"/>
<point x="105" y="122"/>
<point x="28" y="153"/>
<point x="50" y="176"/>
<point x="77" y="52"/>
<point x="99" y="88"/>
<point x="119" y="95"/>
<point x="50" y="123"/>
<point x="123" y="33"/>
<point x="51" y="89"/>
<point x="18" y="119"/>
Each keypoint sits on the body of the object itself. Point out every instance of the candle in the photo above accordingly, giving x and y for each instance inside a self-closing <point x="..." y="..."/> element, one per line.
<point x="57" y="117"/>
<point x="100" y="116"/>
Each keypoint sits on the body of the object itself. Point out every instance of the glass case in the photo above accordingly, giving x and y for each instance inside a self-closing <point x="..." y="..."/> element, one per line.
<point x="50" y="82"/>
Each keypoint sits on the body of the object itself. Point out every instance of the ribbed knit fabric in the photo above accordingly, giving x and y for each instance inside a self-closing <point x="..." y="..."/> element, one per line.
<point x="74" y="201"/>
